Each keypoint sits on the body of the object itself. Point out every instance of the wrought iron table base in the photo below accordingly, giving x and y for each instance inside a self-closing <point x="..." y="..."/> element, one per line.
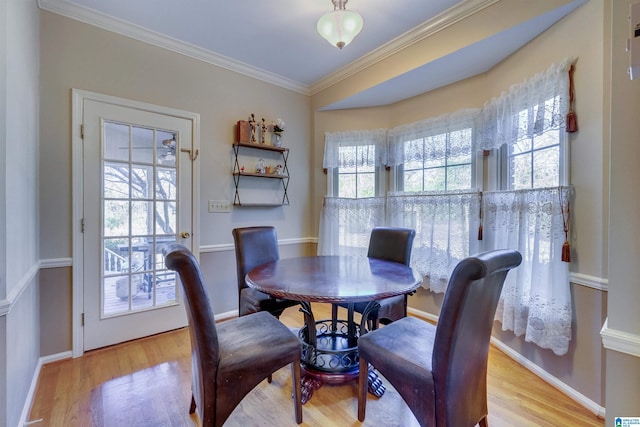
<point x="330" y="353"/>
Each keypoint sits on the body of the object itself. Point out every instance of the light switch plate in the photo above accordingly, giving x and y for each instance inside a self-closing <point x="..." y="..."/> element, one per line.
<point x="217" y="206"/>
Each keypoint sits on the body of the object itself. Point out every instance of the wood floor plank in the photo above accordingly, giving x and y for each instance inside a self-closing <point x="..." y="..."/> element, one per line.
<point x="147" y="383"/>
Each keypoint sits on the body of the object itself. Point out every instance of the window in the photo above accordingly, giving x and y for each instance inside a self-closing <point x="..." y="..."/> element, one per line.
<point x="538" y="160"/>
<point x="445" y="163"/>
<point x="355" y="162"/>
<point x="437" y="174"/>
<point x="357" y="178"/>
<point x="526" y="127"/>
<point x="435" y="162"/>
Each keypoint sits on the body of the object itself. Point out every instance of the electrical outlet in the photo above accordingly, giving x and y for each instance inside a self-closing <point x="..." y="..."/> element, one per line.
<point x="219" y="206"/>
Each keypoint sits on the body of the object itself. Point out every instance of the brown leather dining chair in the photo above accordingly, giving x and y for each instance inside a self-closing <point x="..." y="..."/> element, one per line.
<point x="228" y="360"/>
<point x="256" y="246"/>
<point x="391" y="244"/>
<point x="441" y="371"/>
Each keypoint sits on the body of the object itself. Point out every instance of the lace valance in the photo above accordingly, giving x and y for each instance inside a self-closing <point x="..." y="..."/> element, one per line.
<point x="434" y="138"/>
<point x="538" y="105"/>
<point x="371" y="148"/>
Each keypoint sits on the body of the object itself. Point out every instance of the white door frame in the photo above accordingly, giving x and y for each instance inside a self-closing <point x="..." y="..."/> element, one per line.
<point x="78" y="98"/>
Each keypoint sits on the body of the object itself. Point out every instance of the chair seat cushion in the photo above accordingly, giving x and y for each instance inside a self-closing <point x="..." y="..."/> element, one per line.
<point x="402" y="352"/>
<point x="253" y="301"/>
<point x="250" y="345"/>
<point x="391" y="308"/>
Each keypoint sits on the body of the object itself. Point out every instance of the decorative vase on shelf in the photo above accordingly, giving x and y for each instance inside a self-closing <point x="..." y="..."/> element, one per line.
<point x="276" y="139"/>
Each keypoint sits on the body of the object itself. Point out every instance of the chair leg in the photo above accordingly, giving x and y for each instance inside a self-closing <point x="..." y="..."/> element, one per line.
<point x="296" y="385"/>
<point x="373" y="323"/>
<point x="483" y="422"/>
<point x="334" y="316"/>
<point x="363" y="385"/>
<point x="192" y="408"/>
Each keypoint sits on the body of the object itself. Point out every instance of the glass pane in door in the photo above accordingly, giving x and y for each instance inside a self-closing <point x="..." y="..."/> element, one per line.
<point x="139" y="215"/>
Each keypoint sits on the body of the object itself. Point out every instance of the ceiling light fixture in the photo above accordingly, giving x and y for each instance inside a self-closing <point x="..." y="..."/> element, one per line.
<point x="341" y="26"/>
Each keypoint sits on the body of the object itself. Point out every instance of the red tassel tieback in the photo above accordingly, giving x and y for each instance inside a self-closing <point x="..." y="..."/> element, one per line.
<point x="566" y="218"/>
<point x="566" y="252"/>
<point x="572" y="122"/>
<point x="572" y="119"/>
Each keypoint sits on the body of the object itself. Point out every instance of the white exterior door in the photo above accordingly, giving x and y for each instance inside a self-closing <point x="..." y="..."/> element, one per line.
<point x="137" y="197"/>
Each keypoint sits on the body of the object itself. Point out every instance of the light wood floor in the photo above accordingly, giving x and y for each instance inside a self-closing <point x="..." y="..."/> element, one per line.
<point x="147" y="383"/>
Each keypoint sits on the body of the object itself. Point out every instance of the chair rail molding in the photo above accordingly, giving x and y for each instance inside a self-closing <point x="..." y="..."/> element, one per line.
<point x="599" y="283"/>
<point x="16" y="291"/>
<point x="224" y="247"/>
<point x="620" y="341"/>
<point x="56" y="263"/>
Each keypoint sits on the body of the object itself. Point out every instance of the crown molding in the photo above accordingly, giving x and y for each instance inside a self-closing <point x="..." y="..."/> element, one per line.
<point x="128" y="29"/>
<point x="440" y="22"/>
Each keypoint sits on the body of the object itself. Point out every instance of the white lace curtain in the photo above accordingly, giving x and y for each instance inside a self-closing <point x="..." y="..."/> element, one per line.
<point x="426" y="139"/>
<point x="334" y="157"/>
<point x="444" y="223"/>
<point x="544" y="99"/>
<point x="346" y="224"/>
<point x="536" y="299"/>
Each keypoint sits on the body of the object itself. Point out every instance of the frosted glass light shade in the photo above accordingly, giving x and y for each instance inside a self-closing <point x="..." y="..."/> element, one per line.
<point x="340" y="27"/>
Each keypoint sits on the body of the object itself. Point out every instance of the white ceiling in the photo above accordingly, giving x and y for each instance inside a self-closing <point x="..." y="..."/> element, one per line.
<point x="276" y="40"/>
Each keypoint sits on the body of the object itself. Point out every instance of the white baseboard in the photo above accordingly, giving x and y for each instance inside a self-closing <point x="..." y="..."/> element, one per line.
<point x="537" y="370"/>
<point x="547" y="377"/>
<point x="34" y="383"/>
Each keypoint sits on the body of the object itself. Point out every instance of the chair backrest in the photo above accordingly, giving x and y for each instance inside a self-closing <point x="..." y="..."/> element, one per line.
<point x="254" y="246"/>
<point x="461" y="346"/>
<point x="205" y="353"/>
<point x="391" y="244"/>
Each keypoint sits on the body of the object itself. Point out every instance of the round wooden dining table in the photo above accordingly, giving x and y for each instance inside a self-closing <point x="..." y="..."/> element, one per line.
<point x="330" y="346"/>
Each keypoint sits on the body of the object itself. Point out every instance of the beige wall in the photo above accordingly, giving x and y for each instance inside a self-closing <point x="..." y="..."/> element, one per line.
<point x="623" y="370"/>
<point x="19" y="314"/>
<point x="55" y="311"/>
<point x="76" y="55"/>
<point x="579" y="35"/>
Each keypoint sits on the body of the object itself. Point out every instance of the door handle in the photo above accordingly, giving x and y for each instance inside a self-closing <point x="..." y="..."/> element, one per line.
<point x="185" y="234"/>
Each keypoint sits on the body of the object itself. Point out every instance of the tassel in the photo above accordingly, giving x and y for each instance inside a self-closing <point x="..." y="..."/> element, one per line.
<point x="566" y="251"/>
<point x="572" y="122"/>
<point x="480" y="212"/>
<point x="566" y="218"/>
<point x="572" y="119"/>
